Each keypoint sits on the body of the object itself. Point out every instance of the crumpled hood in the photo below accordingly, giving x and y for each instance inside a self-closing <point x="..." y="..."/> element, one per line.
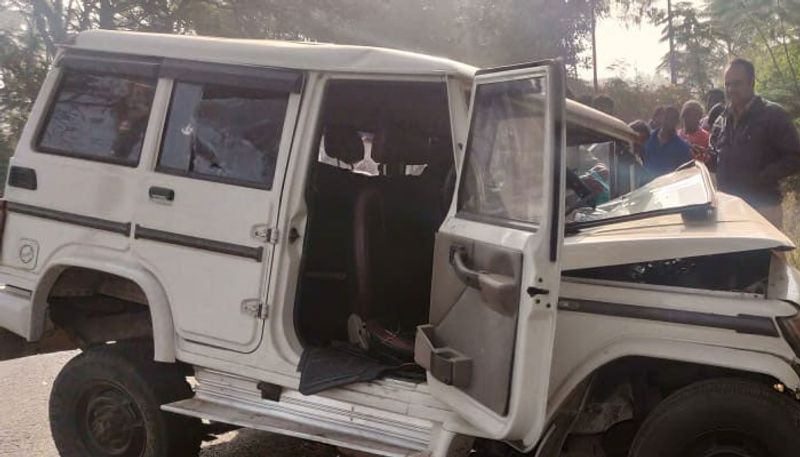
<point x="784" y="280"/>
<point x="734" y="227"/>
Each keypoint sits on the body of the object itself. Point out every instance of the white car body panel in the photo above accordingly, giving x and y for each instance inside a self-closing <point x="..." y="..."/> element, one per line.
<point x="585" y="342"/>
<point x="277" y="54"/>
<point x="736" y="227"/>
<point x="270" y="353"/>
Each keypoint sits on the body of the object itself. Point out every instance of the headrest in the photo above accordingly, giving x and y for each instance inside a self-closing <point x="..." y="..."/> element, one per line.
<point x="344" y="143"/>
<point x="406" y="146"/>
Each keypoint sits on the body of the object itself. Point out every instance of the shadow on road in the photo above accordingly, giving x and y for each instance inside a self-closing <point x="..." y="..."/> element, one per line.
<point x="254" y="443"/>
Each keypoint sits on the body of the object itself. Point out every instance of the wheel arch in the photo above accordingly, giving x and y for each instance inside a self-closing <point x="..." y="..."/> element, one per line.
<point x="759" y="363"/>
<point x="119" y="265"/>
<point x="566" y="399"/>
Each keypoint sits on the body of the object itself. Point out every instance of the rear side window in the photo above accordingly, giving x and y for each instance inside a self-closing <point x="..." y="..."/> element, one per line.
<point x="99" y="117"/>
<point x="224" y="133"/>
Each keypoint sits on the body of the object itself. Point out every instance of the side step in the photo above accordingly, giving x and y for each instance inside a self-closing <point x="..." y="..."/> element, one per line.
<point x="227" y="414"/>
<point x="387" y="430"/>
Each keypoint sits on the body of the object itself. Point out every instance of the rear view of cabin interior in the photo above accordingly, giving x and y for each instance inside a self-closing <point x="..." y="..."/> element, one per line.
<point x="376" y="196"/>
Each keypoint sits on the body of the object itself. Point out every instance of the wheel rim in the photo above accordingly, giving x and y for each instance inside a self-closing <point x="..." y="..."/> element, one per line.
<point x="110" y="422"/>
<point x="727" y="443"/>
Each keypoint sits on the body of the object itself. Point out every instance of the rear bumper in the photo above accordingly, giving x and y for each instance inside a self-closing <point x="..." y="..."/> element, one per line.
<point x="16" y="310"/>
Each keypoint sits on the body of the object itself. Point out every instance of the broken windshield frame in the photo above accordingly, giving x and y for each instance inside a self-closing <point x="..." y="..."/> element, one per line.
<point x="688" y="190"/>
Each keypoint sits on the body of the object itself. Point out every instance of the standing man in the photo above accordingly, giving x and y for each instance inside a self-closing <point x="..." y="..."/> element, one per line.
<point x="657" y="118"/>
<point x="665" y="150"/>
<point x="755" y="144"/>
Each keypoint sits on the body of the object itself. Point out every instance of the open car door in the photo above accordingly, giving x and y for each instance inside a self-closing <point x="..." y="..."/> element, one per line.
<point x="488" y="345"/>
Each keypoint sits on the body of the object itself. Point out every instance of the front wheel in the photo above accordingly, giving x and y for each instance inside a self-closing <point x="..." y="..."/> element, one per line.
<point x="721" y="418"/>
<point x="106" y="403"/>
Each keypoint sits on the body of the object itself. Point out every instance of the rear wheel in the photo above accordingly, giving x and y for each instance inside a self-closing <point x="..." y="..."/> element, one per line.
<point x="721" y="418"/>
<point x="106" y="403"/>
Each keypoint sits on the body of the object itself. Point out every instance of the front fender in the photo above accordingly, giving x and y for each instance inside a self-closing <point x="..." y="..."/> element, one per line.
<point x="116" y="263"/>
<point x="679" y="351"/>
<point x="784" y="280"/>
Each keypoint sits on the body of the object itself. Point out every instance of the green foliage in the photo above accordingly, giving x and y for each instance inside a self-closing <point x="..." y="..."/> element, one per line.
<point x="767" y="32"/>
<point x="698" y="50"/>
<point x="636" y="100"/>
<point x="500" y="32"/>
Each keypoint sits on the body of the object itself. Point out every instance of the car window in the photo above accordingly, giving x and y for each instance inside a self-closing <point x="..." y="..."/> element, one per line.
<point x="98" y="116"/>
<point x="223" y="133"/>
<point x="365" y="166"/>
<point x="505" y="152"/>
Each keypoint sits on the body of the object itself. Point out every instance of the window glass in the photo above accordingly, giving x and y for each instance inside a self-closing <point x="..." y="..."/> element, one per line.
<point x="502" y="175"/>
<point x="365" y="166"/>
<point x="224" y="133"/>
<point x="100" y="117"/>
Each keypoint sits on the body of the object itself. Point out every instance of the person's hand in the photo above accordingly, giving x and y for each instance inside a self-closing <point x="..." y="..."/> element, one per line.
<point x="700" y="153"/>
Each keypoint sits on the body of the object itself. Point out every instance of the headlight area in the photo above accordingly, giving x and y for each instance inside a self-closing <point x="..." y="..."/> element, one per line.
<point x="790" y="329"/>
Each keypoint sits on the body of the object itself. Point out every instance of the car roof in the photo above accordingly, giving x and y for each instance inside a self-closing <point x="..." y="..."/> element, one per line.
<point x="272" y="53"/>
<point x="311" y="57"/>
<point x="585" y="116"/>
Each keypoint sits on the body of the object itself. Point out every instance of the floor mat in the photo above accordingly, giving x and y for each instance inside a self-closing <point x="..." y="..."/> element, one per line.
<point x="342" y="364"/>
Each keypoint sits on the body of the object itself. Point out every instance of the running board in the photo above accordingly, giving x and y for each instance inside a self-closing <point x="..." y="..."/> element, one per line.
<point x="229" y="415"/>
<point x="223" y="397"/>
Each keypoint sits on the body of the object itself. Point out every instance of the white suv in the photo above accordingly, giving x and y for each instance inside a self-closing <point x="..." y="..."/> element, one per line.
<point x="384" y="251"/>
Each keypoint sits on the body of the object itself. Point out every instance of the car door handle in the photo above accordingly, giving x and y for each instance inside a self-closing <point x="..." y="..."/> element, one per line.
<point x="467" y="275"/>
<point x="499" y="292"/>
<point x="161" y="194"/>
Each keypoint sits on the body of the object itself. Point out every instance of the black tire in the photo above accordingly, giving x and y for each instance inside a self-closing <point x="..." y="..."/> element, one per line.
<point x="105" y="403"/>
<point x="723" y="417"/>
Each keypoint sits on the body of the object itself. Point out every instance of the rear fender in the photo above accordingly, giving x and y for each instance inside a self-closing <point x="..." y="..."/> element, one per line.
<point x="119" y="264"/>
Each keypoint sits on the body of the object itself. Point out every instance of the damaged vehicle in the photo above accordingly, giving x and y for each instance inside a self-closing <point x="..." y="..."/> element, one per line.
<point x="383" y="251"/>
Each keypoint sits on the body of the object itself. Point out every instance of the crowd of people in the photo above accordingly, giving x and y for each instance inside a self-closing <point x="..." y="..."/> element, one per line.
<point x="748" y="142"/>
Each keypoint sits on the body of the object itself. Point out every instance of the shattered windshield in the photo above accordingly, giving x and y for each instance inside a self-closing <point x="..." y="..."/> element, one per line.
<point x="606" y="182"/>
<point x="689" y="187"/>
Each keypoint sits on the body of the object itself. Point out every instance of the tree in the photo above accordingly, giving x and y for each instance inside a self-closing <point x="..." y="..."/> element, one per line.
<point x="698" y="51"/>
<point x="768" y="32"/>
<point x="504" y="31"/>
<point x="27" y="49"/>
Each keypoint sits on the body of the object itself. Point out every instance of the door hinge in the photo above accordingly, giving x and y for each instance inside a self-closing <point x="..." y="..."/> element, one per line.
<point x="264" y="233"/>
<point x="272" y="236"/>
<point x="254" y="308"/>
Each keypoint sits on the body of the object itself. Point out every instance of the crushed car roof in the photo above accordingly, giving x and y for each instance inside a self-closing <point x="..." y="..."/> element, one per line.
<point x="586" y="116"/>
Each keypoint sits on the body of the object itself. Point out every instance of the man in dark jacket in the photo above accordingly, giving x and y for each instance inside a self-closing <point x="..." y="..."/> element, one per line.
<point x="755" y="144"/>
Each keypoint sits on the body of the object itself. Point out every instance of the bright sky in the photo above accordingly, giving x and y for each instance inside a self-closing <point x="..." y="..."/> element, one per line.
<point x="637" y="48"/>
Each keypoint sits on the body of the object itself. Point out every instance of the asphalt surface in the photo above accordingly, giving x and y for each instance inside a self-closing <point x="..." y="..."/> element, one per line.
<point x="25" y="432"/>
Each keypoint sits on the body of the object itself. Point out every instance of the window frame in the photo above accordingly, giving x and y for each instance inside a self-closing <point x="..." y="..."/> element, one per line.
<point x="37" y="146"/>
<point x="158" y="168"/>
<point x="506" y="222"/>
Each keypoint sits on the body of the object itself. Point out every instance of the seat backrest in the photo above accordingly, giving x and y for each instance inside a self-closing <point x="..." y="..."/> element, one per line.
<point x="344" y="143"/>
<point x="394" y="225"/>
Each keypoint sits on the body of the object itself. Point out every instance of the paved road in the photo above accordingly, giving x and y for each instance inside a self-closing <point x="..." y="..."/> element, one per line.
<point x="24" y="431"/>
